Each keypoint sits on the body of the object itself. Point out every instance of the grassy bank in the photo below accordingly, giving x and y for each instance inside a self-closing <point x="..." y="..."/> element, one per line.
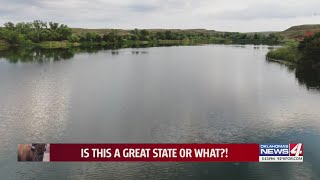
<point x="56" y="44"/>
<point x="305" y="53"/>
<point x="67" y="44"/>
<point x="287" y="54"/>
<point x="4" y="45"/>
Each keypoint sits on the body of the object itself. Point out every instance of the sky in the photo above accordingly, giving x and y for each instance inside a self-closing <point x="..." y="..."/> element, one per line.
<point x="220" y="15"/>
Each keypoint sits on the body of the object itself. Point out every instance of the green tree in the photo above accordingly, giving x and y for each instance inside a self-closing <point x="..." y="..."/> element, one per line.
<point x="168" y="35"/>
<point x="310" y="47"/>
<point x="144" y="35"/>
<point x="53" y="25"/>
<point x="113" y="36"/>
<point x="9" y="25"/>
<point x="64" y="32"/>
<point x="89" y="36"/>
<point x="134" y="37"/>
<point x="135" y="32"/>
<point x="160" y="35"/>
<point x="74" y="38"/>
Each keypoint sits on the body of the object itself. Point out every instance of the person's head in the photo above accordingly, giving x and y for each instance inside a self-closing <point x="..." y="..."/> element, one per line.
<point x="38" y="151"/>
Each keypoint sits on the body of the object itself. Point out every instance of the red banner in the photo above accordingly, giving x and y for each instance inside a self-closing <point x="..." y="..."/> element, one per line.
<point x="155" y="152"/>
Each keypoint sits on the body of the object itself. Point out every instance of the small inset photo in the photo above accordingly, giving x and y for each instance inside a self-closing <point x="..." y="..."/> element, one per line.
<point x="34" y="152"/>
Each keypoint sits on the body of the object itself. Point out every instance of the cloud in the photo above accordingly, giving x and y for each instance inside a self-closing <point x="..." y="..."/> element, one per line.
<point x="269" y="11"/>
<point x="142" y="8"/>
<point x="232" y="15"/>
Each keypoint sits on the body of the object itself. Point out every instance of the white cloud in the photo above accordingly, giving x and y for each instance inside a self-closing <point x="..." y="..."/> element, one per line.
<point x="223" y="15"/>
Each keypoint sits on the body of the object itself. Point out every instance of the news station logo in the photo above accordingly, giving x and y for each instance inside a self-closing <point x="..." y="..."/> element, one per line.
<point x="281" y="152"/>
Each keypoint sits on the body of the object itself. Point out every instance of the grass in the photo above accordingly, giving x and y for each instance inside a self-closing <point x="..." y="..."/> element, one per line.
<point x="288" y="53"/>
<point x="3" y="45"/>
<point x="56" y="44"/>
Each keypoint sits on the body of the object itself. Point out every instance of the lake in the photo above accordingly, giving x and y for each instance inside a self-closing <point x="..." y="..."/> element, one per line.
<point x="178" y="94"/>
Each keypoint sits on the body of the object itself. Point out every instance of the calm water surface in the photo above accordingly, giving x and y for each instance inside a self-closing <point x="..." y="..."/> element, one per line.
<point x="185" y="94"/>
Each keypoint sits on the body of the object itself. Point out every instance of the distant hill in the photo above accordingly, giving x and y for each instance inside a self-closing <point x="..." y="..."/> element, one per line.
<point x="99" y="31"/>
<point x="205" y="31"/>
<point x="296" y="32"/>
<point x="127" y="31"/>
<point x="262" y="32"/>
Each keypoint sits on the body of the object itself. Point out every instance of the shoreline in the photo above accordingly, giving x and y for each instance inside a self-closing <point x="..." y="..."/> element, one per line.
<point x="288" y="63"/>
<point x="67" y="44"/>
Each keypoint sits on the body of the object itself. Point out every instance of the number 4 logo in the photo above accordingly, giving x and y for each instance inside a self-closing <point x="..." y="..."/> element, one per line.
<point x="296" y="149"/>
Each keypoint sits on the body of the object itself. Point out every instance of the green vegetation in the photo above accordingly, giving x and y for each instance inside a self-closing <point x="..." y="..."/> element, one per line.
<point x="306" y="52"/>
<point x="56" y="44"/>
<point x="303" y="58"/>
<point x="117" y="36"/>
<point x="55" y="35"/>
<point x="289" y="53"/>
<point x="34" y="32"/>
<point x="291" y="33"/>
<point x="3" y="45"/>
<point x="310" y="49"/>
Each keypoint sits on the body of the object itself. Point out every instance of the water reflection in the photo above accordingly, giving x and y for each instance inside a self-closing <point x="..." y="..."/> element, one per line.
<point x="25" y="55"/>
<point x="34" y="105"/>
<point x="307" y="75"/>
<point x="207" y="94"/>
<point x="41" y="55"/>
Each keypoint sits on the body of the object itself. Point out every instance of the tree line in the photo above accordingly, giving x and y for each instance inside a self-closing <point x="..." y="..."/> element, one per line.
<point x="39" y="31"/>
<point x="145" y="35"/>
<point x="35" y="32"/>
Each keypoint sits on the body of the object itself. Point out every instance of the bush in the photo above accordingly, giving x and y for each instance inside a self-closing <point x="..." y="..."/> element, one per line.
<point x="288" y="53"/>
<point x="73" y="38"/>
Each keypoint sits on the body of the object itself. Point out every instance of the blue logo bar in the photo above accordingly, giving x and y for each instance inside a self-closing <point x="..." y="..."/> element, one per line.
<point x="274" y="150"/>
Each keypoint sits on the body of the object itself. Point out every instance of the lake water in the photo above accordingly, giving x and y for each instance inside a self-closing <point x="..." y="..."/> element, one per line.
<point x="178" y="94"/>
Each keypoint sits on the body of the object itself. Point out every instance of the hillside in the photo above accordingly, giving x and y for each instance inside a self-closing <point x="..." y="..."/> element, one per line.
<point x="127" y="31"/>
<point x="296" y="32"/>
<point x="99" y="31"/>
